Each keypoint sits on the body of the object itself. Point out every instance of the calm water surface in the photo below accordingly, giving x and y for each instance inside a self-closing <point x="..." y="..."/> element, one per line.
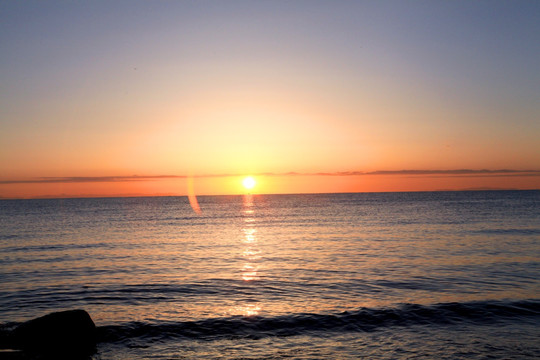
<point x="394" y="275"/>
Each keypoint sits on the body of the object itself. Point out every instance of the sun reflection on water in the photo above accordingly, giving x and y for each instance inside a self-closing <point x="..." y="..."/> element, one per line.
<point x="249" y="272"/>
<point x="252" y="255"/>
<point x="249" y="235"/>
<point x="247" y="310"/>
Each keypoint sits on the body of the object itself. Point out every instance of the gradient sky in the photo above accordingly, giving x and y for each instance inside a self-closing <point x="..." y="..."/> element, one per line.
<point x="95" y="92"/>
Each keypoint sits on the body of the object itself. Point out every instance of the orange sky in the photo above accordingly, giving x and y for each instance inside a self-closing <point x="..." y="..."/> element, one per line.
<point x="93" y="94"/>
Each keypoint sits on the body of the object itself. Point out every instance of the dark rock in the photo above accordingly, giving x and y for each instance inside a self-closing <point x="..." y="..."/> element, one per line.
<point x="61" y="334"/>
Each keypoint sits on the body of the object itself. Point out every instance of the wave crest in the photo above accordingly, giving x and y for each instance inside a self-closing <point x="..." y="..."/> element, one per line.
<point x="364" y="319"/>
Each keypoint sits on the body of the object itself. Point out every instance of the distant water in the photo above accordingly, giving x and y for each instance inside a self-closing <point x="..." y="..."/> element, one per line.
<point x="338" y="276"/>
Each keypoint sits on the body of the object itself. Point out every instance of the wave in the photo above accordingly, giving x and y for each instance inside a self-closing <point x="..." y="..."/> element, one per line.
<point x="365" y="319"/>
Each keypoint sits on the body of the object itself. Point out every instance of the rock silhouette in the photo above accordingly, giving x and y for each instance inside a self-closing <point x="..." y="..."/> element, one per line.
<point x="65" y="334"/>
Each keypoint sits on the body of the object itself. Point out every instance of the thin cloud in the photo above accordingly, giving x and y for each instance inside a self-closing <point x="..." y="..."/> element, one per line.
<point x="115" y="179"/>
<point x="91" y="179"/>
<point x="458" y="172"/>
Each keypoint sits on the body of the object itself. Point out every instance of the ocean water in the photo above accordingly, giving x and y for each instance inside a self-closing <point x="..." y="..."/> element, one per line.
<point x="329" y="276"/>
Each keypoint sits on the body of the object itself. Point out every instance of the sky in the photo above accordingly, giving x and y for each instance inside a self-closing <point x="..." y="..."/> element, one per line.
<point x="124" y="98"/>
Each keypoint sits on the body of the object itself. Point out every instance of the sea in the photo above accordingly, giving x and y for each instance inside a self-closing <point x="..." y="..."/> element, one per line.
<point x="411" y="275"/>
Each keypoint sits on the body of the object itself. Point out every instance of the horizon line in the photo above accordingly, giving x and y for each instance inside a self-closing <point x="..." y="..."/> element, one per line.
<point x="129" y="178"/>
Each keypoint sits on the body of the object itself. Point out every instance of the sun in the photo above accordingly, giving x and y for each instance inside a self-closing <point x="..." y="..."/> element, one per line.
<point x="249" y="182"/>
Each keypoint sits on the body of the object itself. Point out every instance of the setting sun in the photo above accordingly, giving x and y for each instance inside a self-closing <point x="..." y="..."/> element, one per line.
<point x="249" y="183"/>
